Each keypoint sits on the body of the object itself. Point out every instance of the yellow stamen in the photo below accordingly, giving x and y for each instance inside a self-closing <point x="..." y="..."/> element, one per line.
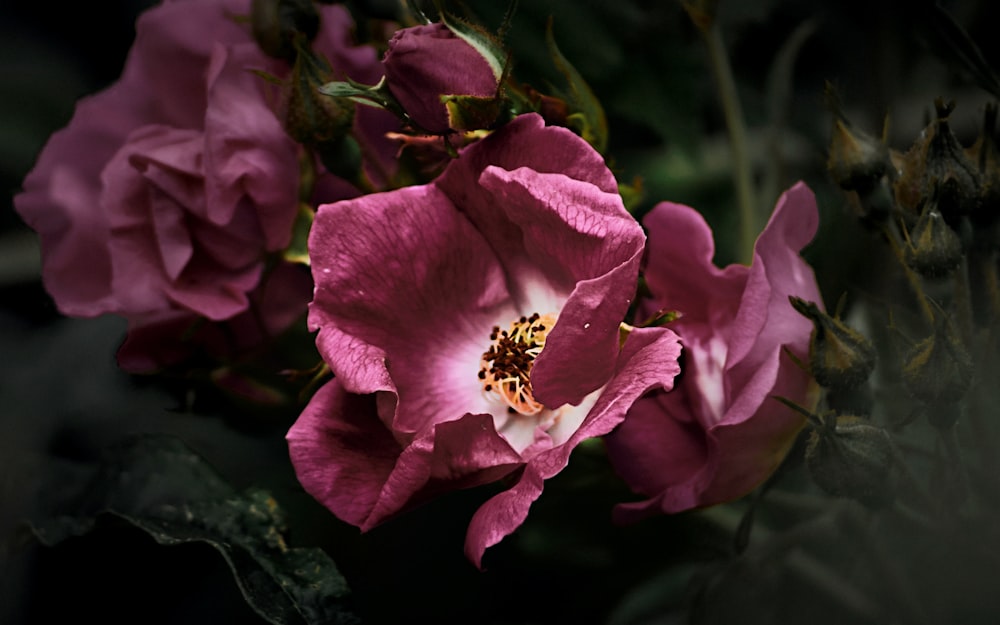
<point x="505" y="368"/>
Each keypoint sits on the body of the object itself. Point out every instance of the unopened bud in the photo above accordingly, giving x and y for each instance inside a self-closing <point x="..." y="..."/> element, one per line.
<point x="849" y="457"/>
<point x="938" y="371"/>
<point x="839" y="356"/>
<point x="276" y="24"/>
<point x="311" y="117"/>
<point x="934" y="249"/>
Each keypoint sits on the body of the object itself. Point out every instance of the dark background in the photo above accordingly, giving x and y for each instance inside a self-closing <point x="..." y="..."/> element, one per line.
<point x="62" y="398"/>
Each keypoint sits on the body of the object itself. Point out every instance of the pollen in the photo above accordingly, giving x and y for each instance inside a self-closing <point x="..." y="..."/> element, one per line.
<point x="505" y="368"/>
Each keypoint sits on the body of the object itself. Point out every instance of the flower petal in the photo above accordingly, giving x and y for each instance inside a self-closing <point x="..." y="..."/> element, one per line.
<point x="584" y="242"/>
<point x="736" y="324"/>
<point x="342" y="454"/>
<point x="350" y="462"/>
<point x="247" y="152"/>
<point x="406" y="293"/>
<point x="648" y="360"/>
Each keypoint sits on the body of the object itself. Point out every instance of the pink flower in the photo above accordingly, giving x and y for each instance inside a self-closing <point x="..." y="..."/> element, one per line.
<point x="167" y="190"/>
<point x="424" y="63"/>
<point x="720" y="433"/>
<point x="521" y="247"/>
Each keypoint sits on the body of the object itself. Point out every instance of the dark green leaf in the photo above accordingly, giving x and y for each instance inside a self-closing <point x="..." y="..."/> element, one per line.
<point x="159" y="485"/>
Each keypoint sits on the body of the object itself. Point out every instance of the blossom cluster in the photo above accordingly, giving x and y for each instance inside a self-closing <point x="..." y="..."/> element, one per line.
<point x="481" y="299"/>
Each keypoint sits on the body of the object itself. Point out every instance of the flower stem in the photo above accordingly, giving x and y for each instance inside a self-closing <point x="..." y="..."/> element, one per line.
<point x="911" y="276"/>
<point x="733" y="114"/>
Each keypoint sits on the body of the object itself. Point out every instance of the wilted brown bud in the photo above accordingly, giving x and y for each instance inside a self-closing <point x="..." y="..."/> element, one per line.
<point x="849" y="457"/>
<point x="839" y="356"/>
<point x="934" y="248"/>
<point x="856" y="160"/>
<point x="937" y="159"/>
<point x="938" y="370"/>
<point x="276" y="24"/>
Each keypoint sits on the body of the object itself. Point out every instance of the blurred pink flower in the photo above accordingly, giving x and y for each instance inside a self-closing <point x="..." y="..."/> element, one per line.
<point x="424" y="63"/>
<point x="435" y="307"/>
<point x="164" y="193"/>
<point x="719" y="433"/>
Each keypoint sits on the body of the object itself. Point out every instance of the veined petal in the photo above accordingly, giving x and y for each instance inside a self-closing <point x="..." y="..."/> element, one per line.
<point x="406" y="289"/>
<point x="588" y="246"/>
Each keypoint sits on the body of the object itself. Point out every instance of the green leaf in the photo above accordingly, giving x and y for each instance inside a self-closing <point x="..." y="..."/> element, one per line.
<point x="377" y="95"/>
<point x="160" y="486"/>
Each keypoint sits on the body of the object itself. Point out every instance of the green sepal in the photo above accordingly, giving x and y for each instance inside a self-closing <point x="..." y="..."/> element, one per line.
<point x="632" y="194"/>
<point x="158" y="485"/>
<point x="587" y="117"/>
<point x="661" y="317"/>
<point x="341" y="157"/>
<point x="470" y="112"/>
<point x="298" y="250"/>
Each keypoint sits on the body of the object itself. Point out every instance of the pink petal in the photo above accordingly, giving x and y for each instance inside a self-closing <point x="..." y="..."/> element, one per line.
<point x="406" y="291"/>
<point x="583" y="241"/>
<point x="342" y="453"/>
<point x="524" y="142"/>
<point x="744" y="433"/>
<point x="184" y="33"/>
<point x="248" y="155"/>
<point x="647" y="361"/>
<point x="661" y="455"/>
<point x="679" y="267"/>
<point x="347" y="459"/>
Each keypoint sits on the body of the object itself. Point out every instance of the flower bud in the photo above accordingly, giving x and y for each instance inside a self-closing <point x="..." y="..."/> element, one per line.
<point x="276" y="23"/>
<point x="849" y="457"/>
<point x="934" y="249"/>
<point x="310" y="117"/>
<point x="937" y="159"/>
<point x="425" y="63"/>
<point x="839" y="356"/>
<point x="938" y="370"/>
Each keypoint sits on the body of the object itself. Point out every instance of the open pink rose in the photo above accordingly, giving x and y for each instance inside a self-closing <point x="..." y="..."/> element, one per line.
<point x="424" y="63"/>
<point x="472" y="325"/>
<point x="167" y="190"/>
<point x="719" y="432"/>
